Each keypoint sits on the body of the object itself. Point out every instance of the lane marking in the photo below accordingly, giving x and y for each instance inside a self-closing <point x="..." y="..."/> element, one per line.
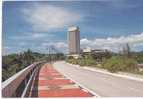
<point x="115" y="75"/>
<point x="80" y="85"/>
<point x="106" y="72"/>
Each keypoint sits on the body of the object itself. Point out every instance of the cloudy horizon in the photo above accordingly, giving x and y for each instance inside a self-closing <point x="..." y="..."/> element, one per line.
<point x="103" y="24"/>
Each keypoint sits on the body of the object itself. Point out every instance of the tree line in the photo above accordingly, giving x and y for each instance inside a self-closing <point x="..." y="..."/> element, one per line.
<point x="13" y="63"/>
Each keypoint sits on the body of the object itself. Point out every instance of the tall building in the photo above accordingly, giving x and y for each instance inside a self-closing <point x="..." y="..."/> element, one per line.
<point x="74" y="40"/>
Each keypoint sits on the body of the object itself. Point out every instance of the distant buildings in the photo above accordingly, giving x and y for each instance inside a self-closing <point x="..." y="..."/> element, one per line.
<point x="88" y="50"/>
<point x="74" y="40"/>
<point x="97" y="54"/>
<point x="74" y="45"/>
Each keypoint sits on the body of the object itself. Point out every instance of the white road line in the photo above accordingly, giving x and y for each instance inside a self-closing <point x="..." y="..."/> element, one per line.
<point x="116" y="75"/>
<point x="82" y="86"/>
<point x="108" y="73"/>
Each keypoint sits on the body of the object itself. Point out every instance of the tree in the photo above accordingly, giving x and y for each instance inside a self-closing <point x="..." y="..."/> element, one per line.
<point x="126" y="50"/>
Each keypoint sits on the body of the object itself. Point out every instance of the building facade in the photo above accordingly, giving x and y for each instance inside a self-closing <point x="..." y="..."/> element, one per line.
<point x="74" y="40"/>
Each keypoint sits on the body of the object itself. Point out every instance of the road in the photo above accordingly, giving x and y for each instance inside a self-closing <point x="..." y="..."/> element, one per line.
<point x="102" y="84"/>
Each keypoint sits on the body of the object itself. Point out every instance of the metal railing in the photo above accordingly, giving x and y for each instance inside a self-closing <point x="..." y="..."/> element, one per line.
<point x="18" y="84"/>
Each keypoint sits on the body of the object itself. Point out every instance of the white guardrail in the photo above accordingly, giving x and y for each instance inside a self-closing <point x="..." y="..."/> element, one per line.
<point x="10" y="86"/>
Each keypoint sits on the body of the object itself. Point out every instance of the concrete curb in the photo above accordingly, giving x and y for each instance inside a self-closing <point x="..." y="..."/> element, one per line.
<point x="108" y="73"/>
<point x="114" y="74"/>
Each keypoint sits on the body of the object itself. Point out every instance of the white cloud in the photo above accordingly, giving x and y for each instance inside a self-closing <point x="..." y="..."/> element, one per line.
<point x="110" y="43"/>
<point x="21" y="43"/>
<point x="55" y="44"/>
<point x="6" y="47"/>
<point x="60" y="46"/>
<point x="32" y="36"/>
<point x="113" y="44"/>
<point x="46" y="17"/>
<point x="6" y="50"/>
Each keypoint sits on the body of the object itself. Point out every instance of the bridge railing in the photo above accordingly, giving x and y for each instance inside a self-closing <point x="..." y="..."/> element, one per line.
<point x="15" y="85"/>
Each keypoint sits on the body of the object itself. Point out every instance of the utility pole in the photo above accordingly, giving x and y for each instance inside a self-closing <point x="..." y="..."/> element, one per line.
<point x="49" y="55"/>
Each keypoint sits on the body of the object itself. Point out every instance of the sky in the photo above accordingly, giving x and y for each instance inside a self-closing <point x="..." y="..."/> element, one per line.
<point x="104" y="24"/>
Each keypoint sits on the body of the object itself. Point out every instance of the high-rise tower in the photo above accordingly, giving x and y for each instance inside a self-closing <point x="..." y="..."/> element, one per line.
<point x="74" y="40"/>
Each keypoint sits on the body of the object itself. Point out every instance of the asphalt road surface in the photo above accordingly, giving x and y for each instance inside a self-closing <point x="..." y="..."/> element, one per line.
<point x="102" y="84"/>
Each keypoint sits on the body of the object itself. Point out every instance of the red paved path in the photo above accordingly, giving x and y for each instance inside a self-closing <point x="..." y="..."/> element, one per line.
<point x="50" y="83"/>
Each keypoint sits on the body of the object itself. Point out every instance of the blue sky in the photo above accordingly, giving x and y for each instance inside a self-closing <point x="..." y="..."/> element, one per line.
<point x="106" y="24"/>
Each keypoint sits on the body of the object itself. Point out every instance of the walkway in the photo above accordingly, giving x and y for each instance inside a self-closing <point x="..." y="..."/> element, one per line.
<point x="50" y="83"/>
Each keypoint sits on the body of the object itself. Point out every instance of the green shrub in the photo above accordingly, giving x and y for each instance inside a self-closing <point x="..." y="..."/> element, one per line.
<point x="140" y="58"/>
<point x="81" y="62"/>
<point x="120" y="63"/>
<point x="87" y="60"/>
<point x="90" y="62"/>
